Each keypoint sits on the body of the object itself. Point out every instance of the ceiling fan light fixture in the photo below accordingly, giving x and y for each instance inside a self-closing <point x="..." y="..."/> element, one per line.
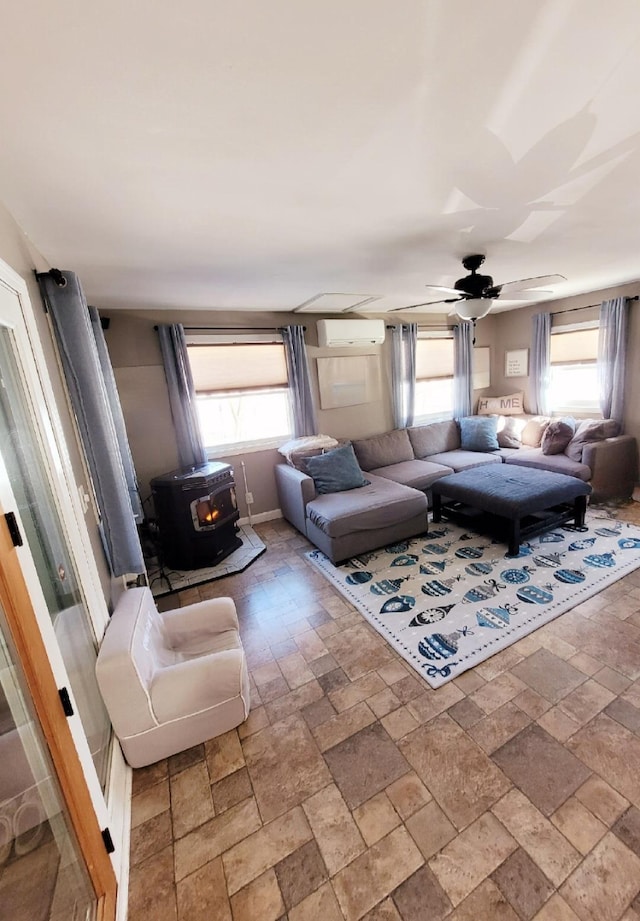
<point x="473" y="308"/>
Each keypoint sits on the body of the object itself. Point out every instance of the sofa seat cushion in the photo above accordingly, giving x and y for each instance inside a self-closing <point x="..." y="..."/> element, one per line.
<point x="555" y="463"/>
<point x="380" y="504"/>
<point x="382" y="450"/>
<point x="463" y="460"/>
<point x="417" y="473"/>
<point x="434" y="438"/>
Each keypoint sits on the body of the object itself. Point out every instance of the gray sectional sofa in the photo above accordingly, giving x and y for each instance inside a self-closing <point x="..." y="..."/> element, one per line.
<point x="403" y="464"/>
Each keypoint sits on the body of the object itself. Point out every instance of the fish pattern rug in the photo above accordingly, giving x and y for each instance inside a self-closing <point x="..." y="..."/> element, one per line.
<point x="450" y="598"/>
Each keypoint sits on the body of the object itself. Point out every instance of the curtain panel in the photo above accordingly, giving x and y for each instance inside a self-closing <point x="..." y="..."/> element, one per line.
<point x="540" y="363"/>
<point x="612" y="357"/>
<point x="462" y="370"/>
<point x="67" y="306"/>
<point x="304" y="416"/>
<point x="403" y="373"/>
<point x="182" y="395"/>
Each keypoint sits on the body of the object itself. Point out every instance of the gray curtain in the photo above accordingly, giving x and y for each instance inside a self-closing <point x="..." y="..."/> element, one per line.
<point x="65" y="300"/>
<point x="182" y="395"/>
<point x="462" y="370"/>
<point x="116" y="411"/>
<point x="403" y="373"/>
<point x="612" y="357"/>
<point x="304" y="416"/>
<point x="540" y="363"/>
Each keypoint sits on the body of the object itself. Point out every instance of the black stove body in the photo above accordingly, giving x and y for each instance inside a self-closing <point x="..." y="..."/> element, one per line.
<point x="197" y="514"/>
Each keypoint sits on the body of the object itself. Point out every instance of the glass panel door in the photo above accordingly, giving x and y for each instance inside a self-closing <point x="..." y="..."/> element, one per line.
<point x="24" y="459"/>
<point x="42" y="874"/>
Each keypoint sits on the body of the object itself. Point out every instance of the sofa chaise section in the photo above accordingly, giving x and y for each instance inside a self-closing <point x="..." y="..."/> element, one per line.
<point x="353" y="521"/>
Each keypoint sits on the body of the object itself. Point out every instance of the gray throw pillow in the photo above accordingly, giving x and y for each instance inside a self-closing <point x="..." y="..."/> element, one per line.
<point x="557" y="436"/>
<point x="479" y="433"/>
<point x="336" y="470"/>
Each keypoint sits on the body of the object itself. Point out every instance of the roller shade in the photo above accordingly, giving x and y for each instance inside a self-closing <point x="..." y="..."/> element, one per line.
<point x="434" y="359"/>
<point x="574" y="347"/>
<point x="237" y="367"/>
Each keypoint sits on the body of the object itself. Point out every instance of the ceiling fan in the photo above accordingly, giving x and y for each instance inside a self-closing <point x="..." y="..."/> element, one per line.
<point x="474" y="294"/>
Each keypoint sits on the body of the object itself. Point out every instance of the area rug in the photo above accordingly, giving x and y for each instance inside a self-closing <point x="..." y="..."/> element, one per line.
<point x="450" y="598"/>
<point x="166" y="581"/>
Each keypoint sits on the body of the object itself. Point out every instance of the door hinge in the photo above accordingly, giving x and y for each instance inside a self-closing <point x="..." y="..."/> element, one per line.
<point x="67" y="706"/>
<point x="14" y="530"/>
<point x="108" y="841"/>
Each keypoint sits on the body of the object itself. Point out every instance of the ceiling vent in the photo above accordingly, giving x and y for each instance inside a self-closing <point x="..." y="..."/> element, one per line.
<point x="349" y="333"/>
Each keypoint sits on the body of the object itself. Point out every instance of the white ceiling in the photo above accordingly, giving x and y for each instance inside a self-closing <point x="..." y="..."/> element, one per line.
<point x="259" y="153"/>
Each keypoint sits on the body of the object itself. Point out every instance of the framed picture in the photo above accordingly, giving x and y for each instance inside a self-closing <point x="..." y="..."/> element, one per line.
<point x="516" y="363"/>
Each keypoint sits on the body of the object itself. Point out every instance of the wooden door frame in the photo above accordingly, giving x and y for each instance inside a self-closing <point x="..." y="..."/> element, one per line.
<point x="34" y="661"/>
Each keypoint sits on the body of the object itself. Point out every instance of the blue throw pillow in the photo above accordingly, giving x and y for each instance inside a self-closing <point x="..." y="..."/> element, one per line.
<point x="336" y="470"/>
<point x="479" y="433"/>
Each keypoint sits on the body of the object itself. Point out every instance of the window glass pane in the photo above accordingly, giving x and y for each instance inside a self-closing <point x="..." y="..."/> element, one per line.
<point x="237" y="367"/>
<point x="579" y="345"/>
<point x="434" y="399"/>
<point x="228" y="419"/>
<point x="434" y="358"/>
<point x="574" y="387"/>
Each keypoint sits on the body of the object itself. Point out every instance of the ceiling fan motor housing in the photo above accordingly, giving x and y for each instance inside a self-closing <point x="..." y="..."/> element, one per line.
<point x="475" y="285"/>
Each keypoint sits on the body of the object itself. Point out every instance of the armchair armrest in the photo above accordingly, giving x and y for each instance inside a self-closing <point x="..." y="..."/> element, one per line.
<point x="195" y="685"/>
<point x="202" y="618"/>
<point x="614" y="466"/>
<point x="295" y="489"/>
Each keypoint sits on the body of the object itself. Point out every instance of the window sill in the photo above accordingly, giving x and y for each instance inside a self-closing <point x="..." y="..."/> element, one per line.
<point x="246" y="447"/>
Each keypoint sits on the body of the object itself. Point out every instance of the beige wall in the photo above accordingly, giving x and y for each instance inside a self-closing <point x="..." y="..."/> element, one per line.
<point x="17" y="252"/>
<point x="512" y="330"/>
<point x="135" y="354"/>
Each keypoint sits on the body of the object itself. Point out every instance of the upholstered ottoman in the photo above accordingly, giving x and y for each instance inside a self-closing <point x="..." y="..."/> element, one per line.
<point x="521" y="502"/>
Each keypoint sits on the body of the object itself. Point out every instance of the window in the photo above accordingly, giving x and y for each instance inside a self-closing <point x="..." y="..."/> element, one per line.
<point x="434" y="379"/>
<point x="574" y="371"/>
<point x="242" y="392"/>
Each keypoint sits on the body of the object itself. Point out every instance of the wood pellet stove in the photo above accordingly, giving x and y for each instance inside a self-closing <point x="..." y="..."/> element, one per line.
<point x="197" y="514"/>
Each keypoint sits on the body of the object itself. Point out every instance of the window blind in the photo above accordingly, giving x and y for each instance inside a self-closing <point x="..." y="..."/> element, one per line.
<point x="574" y="347"/>
<point x="237" y="367"/>
<point x="434" y="359"/>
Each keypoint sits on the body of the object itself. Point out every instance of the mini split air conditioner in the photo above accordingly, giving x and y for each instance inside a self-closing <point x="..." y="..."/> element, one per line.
<point x="349" y="333"/>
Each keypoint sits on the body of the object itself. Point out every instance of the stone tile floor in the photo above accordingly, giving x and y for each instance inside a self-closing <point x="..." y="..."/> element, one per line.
<point x="354" y="790"/>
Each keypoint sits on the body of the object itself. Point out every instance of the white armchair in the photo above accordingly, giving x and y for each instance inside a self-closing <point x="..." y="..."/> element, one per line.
<point x="171" y="680"/>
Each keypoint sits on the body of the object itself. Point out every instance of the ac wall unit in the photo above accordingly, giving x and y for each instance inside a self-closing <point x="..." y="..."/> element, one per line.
<point x="349" y="333"/>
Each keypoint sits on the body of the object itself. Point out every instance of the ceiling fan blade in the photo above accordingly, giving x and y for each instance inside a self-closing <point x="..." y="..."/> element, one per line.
<point x="443" y="289"/>
<point x="524" y="295"/>
<point x="525" y="284"/>
<point x="447" y="300"/>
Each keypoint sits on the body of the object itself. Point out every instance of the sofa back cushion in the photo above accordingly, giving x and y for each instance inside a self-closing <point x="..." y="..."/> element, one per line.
<point x="383" y="450"/>
<point x="435" y="438"/>
<point x="591" y="430"/>
<point x="510" y="431"/>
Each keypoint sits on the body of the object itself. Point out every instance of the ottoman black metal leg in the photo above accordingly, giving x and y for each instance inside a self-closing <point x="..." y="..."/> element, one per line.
<point x="579" y="510"/>
<point x="436" y="507"/>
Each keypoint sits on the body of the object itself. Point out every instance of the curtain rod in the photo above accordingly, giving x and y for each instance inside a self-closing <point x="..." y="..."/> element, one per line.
<point x="555" y="313"/>
<point x="234" y="329"/>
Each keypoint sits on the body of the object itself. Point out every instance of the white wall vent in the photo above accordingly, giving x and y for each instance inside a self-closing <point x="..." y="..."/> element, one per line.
<point x="349" y="333"/>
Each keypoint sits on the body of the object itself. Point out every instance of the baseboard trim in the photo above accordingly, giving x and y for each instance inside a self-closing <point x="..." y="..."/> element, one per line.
<point x="262" y="516"/>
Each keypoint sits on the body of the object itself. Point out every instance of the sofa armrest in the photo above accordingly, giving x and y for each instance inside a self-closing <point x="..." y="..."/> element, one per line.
<point x="614" y="466"/>
<point x="295" y="489"/>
